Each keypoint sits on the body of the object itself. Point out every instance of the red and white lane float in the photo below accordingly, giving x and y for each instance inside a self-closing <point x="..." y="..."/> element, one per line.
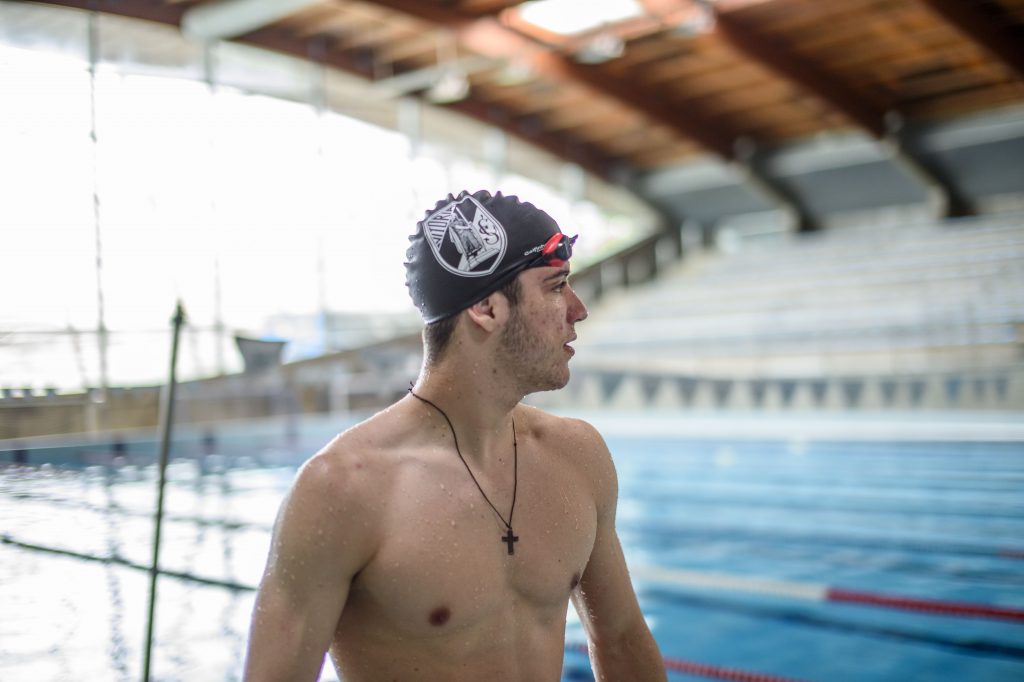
<point x="823" y="593"/>
<point x="800" y="591"/>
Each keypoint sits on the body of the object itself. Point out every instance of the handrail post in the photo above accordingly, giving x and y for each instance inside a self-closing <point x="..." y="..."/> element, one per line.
<point x="166" y="421"/>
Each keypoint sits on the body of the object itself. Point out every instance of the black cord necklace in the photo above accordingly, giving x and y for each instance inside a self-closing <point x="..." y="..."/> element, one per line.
<point x="509" y="537"/>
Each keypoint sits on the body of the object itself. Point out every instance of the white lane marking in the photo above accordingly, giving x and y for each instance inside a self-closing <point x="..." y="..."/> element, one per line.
<point x="735" y="583"/>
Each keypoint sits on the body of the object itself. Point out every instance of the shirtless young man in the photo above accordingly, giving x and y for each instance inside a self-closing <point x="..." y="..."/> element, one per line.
<point x="443" y="538"/>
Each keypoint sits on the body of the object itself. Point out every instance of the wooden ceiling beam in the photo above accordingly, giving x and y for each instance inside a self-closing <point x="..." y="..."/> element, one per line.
<point x="563" y="147"/>
<point x="777" y="59"/>
<point x="685" y="121"/>
<point x="375" y="38"/>
<point x="483" y="35"/>
<point x="422" y="44"/>
<point x="489" y="6"/>
<point x="150" y="10"/>
<point x="966" y="20"/>
<point x="487" y="36"/>
<point x="853" y="105"/>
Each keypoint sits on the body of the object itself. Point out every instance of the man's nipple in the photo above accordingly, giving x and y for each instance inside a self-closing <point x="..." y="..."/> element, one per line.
<point x="440" y="616"/>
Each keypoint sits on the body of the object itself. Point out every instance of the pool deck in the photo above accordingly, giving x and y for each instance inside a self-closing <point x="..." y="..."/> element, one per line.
<point x="860" y="426"/>
<point x="793" y="427"/>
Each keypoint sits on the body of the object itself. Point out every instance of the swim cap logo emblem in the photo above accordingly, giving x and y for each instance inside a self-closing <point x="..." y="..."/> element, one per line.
<point x="465" y="238"/>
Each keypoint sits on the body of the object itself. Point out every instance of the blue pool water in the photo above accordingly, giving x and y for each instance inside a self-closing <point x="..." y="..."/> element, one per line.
<point x="729" y="540"/>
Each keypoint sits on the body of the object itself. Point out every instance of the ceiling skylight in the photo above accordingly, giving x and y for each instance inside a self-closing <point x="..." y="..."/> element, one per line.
<point x="569" y="17"/>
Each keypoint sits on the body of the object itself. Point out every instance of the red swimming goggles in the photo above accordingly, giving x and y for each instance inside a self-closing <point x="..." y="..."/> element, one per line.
<point x="556" y="251"/>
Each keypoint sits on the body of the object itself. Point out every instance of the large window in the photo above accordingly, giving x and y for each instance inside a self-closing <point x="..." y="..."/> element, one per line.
<point x="247" y="184"/>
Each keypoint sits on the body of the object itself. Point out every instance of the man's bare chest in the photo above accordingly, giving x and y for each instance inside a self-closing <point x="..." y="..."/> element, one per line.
<point x="444" y="560"/>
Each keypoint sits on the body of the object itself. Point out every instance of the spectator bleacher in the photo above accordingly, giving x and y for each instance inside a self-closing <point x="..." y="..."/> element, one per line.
<point x="926" y="315"/>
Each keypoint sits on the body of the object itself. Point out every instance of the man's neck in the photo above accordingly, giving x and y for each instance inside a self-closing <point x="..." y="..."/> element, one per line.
<point x="477" y="400"/>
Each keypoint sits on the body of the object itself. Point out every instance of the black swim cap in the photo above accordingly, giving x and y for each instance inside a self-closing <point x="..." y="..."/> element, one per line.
<point x="468" y="247"/>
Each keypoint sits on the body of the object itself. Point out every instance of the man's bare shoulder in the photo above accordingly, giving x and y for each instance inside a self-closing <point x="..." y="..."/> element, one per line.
<point x="574" y="439"/>
<point x="353" y="471"/>
<point x="545" y="425"/>
<point x="579" y="444"/>
<point x="367" y="450"/>
<point x="342" y="491"/>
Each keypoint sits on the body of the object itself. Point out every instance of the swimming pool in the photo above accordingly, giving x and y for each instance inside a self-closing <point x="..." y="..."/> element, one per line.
<point x="808" y="558"/>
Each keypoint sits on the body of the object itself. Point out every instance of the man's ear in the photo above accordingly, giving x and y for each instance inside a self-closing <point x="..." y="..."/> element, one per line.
<point x="490" y="313"/>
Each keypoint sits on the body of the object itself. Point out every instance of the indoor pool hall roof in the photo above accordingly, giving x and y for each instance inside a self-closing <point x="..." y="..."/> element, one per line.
<point x="656" y="85"/>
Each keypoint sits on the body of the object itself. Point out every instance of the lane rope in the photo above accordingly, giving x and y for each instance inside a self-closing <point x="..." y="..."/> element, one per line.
<point x="823" y="593"/>
<point x="678" y="577"/>
<point x="934" y="606"/>
<point x="686" y="578"/>
<point x="6" y="539"/>
<point x="678" y="665"/>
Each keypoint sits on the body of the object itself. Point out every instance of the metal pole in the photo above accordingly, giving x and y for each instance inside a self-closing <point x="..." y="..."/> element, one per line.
<point x="210" y="77"/>
<point x="318" y="101"/>
<point x="102" y="338"/>
<point x="166" y="421"/>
